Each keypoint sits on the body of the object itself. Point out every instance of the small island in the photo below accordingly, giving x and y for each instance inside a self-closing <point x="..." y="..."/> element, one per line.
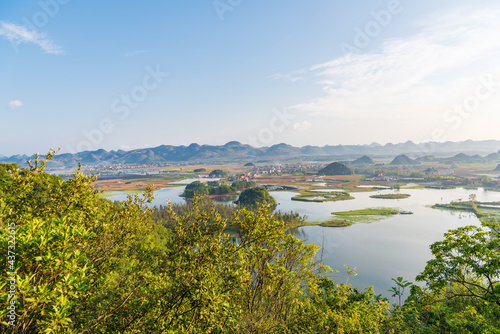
<point x="368" y="215"/>
<point x="320" y="196"/>
<point x="336" y="223"/>
<point x="391" y="196"/>
<point x="368" y="212"/>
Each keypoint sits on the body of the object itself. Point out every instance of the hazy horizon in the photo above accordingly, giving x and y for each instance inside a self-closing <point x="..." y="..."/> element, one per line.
<point x="422" y="153"/>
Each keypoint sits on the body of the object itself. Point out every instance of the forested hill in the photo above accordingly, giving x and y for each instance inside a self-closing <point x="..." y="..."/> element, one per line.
<point x="235" y="150"/>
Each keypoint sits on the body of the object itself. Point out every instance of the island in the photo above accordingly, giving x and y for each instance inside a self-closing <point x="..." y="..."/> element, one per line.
<point x="322" y="196"/>
<point x="336" y="223"/>
<point x="391" y="196"/>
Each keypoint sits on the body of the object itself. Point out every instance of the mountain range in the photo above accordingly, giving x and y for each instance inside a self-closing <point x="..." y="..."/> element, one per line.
<point x="237" y="151"/>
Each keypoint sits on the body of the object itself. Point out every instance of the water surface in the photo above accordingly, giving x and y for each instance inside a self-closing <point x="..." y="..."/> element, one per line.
<point x="395" y="246"/>
<point x="385" y="249"/>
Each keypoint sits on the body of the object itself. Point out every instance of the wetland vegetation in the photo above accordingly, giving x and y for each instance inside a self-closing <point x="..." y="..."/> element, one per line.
<point x="487" y="212"/>
<point x="391" y="196"/>
<point x="368" y="212"/>
<point x="320" y="196"/>
<point x="336" y="223"/>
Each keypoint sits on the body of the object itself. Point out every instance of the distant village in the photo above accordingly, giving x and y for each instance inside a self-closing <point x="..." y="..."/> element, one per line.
<point x="459" y="170"/>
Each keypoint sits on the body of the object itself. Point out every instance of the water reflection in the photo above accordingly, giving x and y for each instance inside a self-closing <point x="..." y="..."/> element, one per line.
<point x="225" y="199"/>
<point x="297" y="232"/>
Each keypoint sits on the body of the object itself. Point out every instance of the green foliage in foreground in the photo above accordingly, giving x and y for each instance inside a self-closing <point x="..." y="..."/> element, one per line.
<point x="5" y="170"/>
<point x="462" y="293"/>
<point x="163" y="214"/>
<point x="87" y="265"/>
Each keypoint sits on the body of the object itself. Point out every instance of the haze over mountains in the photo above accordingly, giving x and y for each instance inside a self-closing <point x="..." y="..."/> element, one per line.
<point x="236" y="151"/>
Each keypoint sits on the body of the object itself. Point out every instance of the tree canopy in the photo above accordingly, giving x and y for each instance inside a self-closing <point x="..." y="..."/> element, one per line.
<point x="218" y="173"/>
<point x="255" y="197"/>
<point x="195" y="188"/>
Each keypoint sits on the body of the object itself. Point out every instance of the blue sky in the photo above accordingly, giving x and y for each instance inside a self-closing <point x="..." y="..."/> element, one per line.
<point x="84" y="75"/>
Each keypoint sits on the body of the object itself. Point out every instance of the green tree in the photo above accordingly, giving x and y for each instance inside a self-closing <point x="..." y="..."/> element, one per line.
<point x="469" y="257"/>
<point x="88" y="265"/>
<point x="255" y="197"/>
<point x="195" y="188"/>
<point x="486" y="181"/>
<point x="241" y="184"/>
<point x="5" y="173"/>
<point x="279" y="275"/>
<point x="342" y="308"/>
<point x="399" y="289"/>
<point x="68" y="242"/>
<point x="462" y="291"/>
<point x="223" y="189"/>
<point x="217" y="173"/>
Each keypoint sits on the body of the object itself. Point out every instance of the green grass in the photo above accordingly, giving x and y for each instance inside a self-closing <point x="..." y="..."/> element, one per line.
<point x="368" y="212"/>
<point x="336" y="223"/>
<point x="391" y="196"/>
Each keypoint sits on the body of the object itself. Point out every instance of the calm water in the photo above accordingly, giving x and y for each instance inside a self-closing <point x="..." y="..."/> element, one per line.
<point x="162" y="196"/>
<point x="395" y="246"/>
<point x="172" y="194"/>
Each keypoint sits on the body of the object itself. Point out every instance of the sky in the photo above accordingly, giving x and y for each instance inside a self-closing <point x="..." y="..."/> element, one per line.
<point x="86" y="75"/>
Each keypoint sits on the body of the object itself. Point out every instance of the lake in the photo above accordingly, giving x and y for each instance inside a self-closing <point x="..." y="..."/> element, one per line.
<point x="385" y="249"/>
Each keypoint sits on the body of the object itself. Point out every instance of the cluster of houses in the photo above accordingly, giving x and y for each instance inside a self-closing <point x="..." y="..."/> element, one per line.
<point x="287" y="168"/>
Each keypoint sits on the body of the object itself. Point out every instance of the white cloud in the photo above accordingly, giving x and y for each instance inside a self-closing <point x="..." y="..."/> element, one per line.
<point x="292" y="76"/>
<point x="13" y="104"/>
<point x="410" y="77"/>
<point x="18" y="34"/>
<point x="135" y="53"/>
<point x="301" y="126"/>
